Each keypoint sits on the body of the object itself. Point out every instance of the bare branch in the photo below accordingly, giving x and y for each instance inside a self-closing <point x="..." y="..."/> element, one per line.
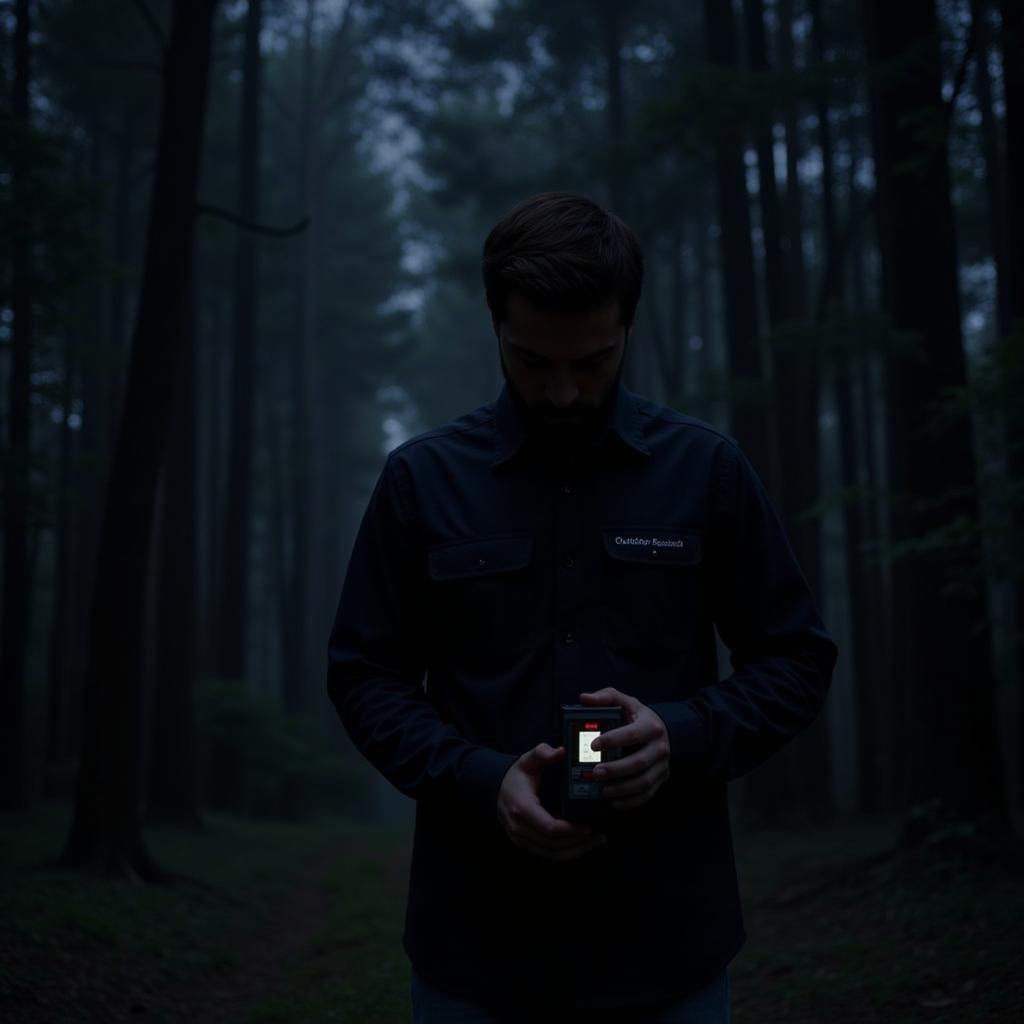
<point x="151" y="20"/>
<point x="248" y="225"/>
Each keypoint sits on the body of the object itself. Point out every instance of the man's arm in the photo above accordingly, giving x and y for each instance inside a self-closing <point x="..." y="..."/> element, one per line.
<point x="375" y="667"/>
<point x="781" y="655"/>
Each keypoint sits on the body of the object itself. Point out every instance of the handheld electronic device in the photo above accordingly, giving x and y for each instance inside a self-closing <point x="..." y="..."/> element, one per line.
<point x="582" y="798"/>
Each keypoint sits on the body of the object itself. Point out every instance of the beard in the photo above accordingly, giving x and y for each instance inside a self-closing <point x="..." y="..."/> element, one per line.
<point x="573" y="430"/>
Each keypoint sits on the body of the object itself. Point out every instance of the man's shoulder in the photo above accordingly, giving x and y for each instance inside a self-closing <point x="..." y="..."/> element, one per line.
<point x="662" y="421"/>
<point x="471" y="428"/>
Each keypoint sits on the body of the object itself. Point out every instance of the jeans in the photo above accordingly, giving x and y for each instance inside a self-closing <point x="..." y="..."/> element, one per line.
<point x="708" y="1006"/>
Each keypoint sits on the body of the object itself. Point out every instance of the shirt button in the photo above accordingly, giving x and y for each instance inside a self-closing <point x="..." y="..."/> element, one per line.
<point x="569" y="638"/>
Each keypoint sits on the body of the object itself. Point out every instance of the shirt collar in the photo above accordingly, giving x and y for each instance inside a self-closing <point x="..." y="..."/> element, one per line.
<point x="510" y="433"/>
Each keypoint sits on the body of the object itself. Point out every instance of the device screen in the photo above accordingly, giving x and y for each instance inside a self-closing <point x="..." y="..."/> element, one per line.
<point x="587" y="732"/>
<point x="586" y="753"/>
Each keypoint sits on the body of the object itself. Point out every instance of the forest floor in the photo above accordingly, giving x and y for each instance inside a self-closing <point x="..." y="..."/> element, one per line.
<point x="303" y="923"/>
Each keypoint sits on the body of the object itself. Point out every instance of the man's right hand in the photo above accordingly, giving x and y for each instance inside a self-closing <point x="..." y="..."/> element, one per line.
<point x="524" y="819"/>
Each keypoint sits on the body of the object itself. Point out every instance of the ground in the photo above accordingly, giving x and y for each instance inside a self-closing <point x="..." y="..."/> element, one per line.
<point x="302" y="922"/>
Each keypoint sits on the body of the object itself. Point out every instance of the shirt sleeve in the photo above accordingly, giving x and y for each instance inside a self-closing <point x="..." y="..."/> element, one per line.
<point x="375" y="667"/>
<point x="781" y="656"/>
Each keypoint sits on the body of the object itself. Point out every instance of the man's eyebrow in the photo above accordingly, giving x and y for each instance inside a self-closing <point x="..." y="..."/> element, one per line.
<point x="582" y="359"/>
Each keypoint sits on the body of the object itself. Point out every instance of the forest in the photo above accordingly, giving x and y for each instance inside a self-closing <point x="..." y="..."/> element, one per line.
<point x="241" y="264"/>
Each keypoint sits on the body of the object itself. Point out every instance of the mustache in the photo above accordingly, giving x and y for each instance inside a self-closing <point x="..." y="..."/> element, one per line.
<point x="571" y="414"/>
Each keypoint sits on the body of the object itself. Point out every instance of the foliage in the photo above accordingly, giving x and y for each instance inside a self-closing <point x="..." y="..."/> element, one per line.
<point x="280" y="766"/>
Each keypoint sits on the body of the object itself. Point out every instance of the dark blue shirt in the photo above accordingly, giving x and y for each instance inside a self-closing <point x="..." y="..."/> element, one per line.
<point x="491" y="582"/>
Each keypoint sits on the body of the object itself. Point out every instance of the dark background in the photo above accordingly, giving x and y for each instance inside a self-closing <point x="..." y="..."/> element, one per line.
<point x="241" y="262"/>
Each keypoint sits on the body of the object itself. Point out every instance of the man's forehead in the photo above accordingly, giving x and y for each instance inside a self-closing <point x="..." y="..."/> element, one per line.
<point x="528" y="327"/>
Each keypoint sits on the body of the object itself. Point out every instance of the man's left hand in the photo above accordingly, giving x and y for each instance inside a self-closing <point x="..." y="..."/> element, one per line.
<point x="633" y="779"/>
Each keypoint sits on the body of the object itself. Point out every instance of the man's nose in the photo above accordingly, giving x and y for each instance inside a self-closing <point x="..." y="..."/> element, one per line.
<point x="560" y="389"/>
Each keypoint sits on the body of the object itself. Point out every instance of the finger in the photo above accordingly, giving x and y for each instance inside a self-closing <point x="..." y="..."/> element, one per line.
<point x="633" y="764"/>
<point x="647" y="783"/>
<point x="609" y="695"/>
<point x="540" y="755"/>
<point x="627" y="787"/>
<point x="641" y="731"/>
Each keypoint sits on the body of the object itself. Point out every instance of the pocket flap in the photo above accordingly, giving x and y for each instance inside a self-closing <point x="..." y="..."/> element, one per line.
<point x="464" y="558"/>
<point x="655" y="547"/>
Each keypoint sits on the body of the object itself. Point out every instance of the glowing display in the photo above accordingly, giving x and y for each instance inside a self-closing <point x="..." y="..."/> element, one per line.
<point x="587" y="754"/>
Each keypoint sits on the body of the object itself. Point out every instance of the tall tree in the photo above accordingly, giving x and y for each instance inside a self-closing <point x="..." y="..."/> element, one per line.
<point x="995" y="198"/>
<point x="173" y="770"/>
<point x="611" y="24"/>
<point x="17" y="593"/>
<point x="749" y="421"/>
<point x="1012" y="12"/>
<point x="106" y="829"/>
<point x="764" y="143"/>
<point x="951" y="749"/>
<point x="237" y="515"/>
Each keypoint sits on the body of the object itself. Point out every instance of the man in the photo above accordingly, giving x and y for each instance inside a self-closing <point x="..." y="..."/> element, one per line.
<point x="571" y="543"/>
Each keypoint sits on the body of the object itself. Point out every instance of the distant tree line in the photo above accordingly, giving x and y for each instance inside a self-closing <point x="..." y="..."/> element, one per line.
<point x="242" y="259"/>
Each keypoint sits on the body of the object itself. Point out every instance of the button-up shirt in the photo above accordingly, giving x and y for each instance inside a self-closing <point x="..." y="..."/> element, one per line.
<point x="490" y="583"/>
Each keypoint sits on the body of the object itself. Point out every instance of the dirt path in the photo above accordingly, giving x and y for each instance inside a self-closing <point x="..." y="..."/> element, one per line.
<point x="290" y="925"/>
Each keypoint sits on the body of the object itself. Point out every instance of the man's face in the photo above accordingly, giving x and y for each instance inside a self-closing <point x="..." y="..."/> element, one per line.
<point x="562" y="365"/>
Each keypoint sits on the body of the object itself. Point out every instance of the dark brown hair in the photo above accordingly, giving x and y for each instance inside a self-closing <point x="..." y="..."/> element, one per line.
<point x="565" y="254"/>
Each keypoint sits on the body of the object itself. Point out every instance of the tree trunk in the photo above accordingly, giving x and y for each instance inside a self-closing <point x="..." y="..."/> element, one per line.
<point x="995" y="198"/>
<point x="740" y="287"/>
<point x="772" y="791"/>
<point x="793" y="238"/>
<point x="215" y="403"/>
<point x="173" y="771"/>
<point x="815" y="766"/>
<point x="943" y="651"/>
<point x="237" y="510"/>
<point x="302" y="462"/>
<point x="611" y="18"/>
<point x="17" y="600"/>
<point x="1012" y="12"/>
<point x="106" y="831"/>
<point x="59" y="633"/>
<point x="771" y="222"/>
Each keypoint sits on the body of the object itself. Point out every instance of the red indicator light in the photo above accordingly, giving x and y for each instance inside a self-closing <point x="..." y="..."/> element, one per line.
<point x="591" y="725"/>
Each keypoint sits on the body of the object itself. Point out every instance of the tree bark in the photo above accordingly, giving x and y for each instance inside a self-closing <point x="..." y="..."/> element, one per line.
<point x="749" y="423"/>
<point x="995" y="198"/>
<point x="106" y="830"/>
<point x="1012" y="12"/>
<point x="237" y="511"/>
<point x="59" y="633"/>
<point x="173" y="771"/>
<point x="794" y="216"/>
<point x="951" y="762"/>
<point x="764" y="142"/>
<point x="612" y="26"/>
<point x="17" y="599"/>
<point x="303" y="465"/>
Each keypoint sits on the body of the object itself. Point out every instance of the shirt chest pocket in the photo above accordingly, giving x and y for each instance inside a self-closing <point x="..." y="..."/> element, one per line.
<point x="480" y="596"/>
<point x="652" y="586"/>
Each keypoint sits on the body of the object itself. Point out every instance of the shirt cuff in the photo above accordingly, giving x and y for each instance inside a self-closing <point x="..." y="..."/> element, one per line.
<point x="687" y="736"/>
<point x="480" y="778"/>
